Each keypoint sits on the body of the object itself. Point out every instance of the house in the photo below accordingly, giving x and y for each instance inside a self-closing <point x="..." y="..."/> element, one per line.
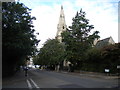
<point x="104" y="42"/>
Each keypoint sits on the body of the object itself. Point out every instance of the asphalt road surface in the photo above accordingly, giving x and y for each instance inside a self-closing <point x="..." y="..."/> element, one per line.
<point x="49" y="79"/>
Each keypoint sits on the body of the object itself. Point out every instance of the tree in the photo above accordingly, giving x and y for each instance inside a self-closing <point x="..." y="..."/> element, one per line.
<point x="111" y="57"/>
<point x="99" y="59"/>
<point x="52" y="53"/>
<point x="93" y="60"/>
<point x="18" y="36"/>
<point x="77" y="38"/>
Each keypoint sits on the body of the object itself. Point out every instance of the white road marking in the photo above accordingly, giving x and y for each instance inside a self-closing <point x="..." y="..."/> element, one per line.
<point x="34" y="83"/>
<point x="29" y="85"/>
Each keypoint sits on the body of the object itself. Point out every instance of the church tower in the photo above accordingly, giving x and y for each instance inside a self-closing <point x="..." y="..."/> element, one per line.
<point x="61" y="25"/>
<point x="60" y="28"/>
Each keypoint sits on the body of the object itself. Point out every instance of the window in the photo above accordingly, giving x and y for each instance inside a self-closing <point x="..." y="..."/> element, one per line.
<point x="63" y="27"/>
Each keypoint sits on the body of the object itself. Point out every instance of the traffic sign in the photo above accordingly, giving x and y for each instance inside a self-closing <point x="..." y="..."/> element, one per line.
<point x="118" y="67"/>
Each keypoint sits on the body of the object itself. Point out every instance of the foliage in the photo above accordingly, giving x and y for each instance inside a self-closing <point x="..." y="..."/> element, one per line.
<point x="77" y="38"/>
<point x="18" y="36"/>
<point x="51" y="53"/>
<point x="111" y="57"/>
<point x="100" y="59"/>
<point x="92" y="60"/>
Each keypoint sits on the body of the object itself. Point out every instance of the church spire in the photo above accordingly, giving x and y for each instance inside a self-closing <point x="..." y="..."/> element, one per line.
<point x="61" y="25"/>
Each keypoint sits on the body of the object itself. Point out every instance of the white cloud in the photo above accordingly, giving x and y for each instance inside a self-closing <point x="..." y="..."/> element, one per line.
<point x="46" y="21"/>
<point x="69" y="12"/>
<point x="102" y="15"/>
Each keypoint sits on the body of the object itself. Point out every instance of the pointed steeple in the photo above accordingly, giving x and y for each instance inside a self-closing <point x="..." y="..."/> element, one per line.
<point x="62" y="16"/>
<point x="61" y="24"/>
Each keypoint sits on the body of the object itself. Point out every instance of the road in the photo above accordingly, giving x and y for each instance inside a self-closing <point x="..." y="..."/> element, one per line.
<point x="49" y="79"/>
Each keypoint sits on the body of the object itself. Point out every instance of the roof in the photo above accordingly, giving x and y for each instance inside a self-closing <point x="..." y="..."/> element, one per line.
<point x="104" y="42"/>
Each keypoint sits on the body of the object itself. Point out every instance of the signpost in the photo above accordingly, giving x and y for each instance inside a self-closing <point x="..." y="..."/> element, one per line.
<point x="107" y="71"/>
<point x="118" y="67"/>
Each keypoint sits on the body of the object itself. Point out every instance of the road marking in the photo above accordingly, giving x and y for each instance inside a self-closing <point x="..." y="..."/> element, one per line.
<point x="34" y="83"/>
<point x="29" y="85"/>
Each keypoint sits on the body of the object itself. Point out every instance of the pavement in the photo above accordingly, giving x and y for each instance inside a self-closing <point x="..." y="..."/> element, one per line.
<point x="16" y="80"/>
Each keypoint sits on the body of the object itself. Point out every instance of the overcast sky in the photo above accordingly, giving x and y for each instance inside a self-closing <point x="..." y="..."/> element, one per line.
<point x="103" y="14"/>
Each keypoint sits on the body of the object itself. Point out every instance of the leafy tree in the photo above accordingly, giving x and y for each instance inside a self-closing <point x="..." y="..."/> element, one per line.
<point x="93" y="60"/>
<point x="111" y="57"/>
<point x="103" y="58"/>
<point x="77" y="38"/>
<point x="52" y="53"/>
<point x="18" y="36"/>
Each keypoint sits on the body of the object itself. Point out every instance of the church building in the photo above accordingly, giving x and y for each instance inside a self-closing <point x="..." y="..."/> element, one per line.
<point x="60" y="28"/>
<point x="104" y="42"/>
<point x="61" y="25"/>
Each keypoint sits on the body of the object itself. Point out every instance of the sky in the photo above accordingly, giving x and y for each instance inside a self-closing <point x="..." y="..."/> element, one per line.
<point x="103" y="14"/>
